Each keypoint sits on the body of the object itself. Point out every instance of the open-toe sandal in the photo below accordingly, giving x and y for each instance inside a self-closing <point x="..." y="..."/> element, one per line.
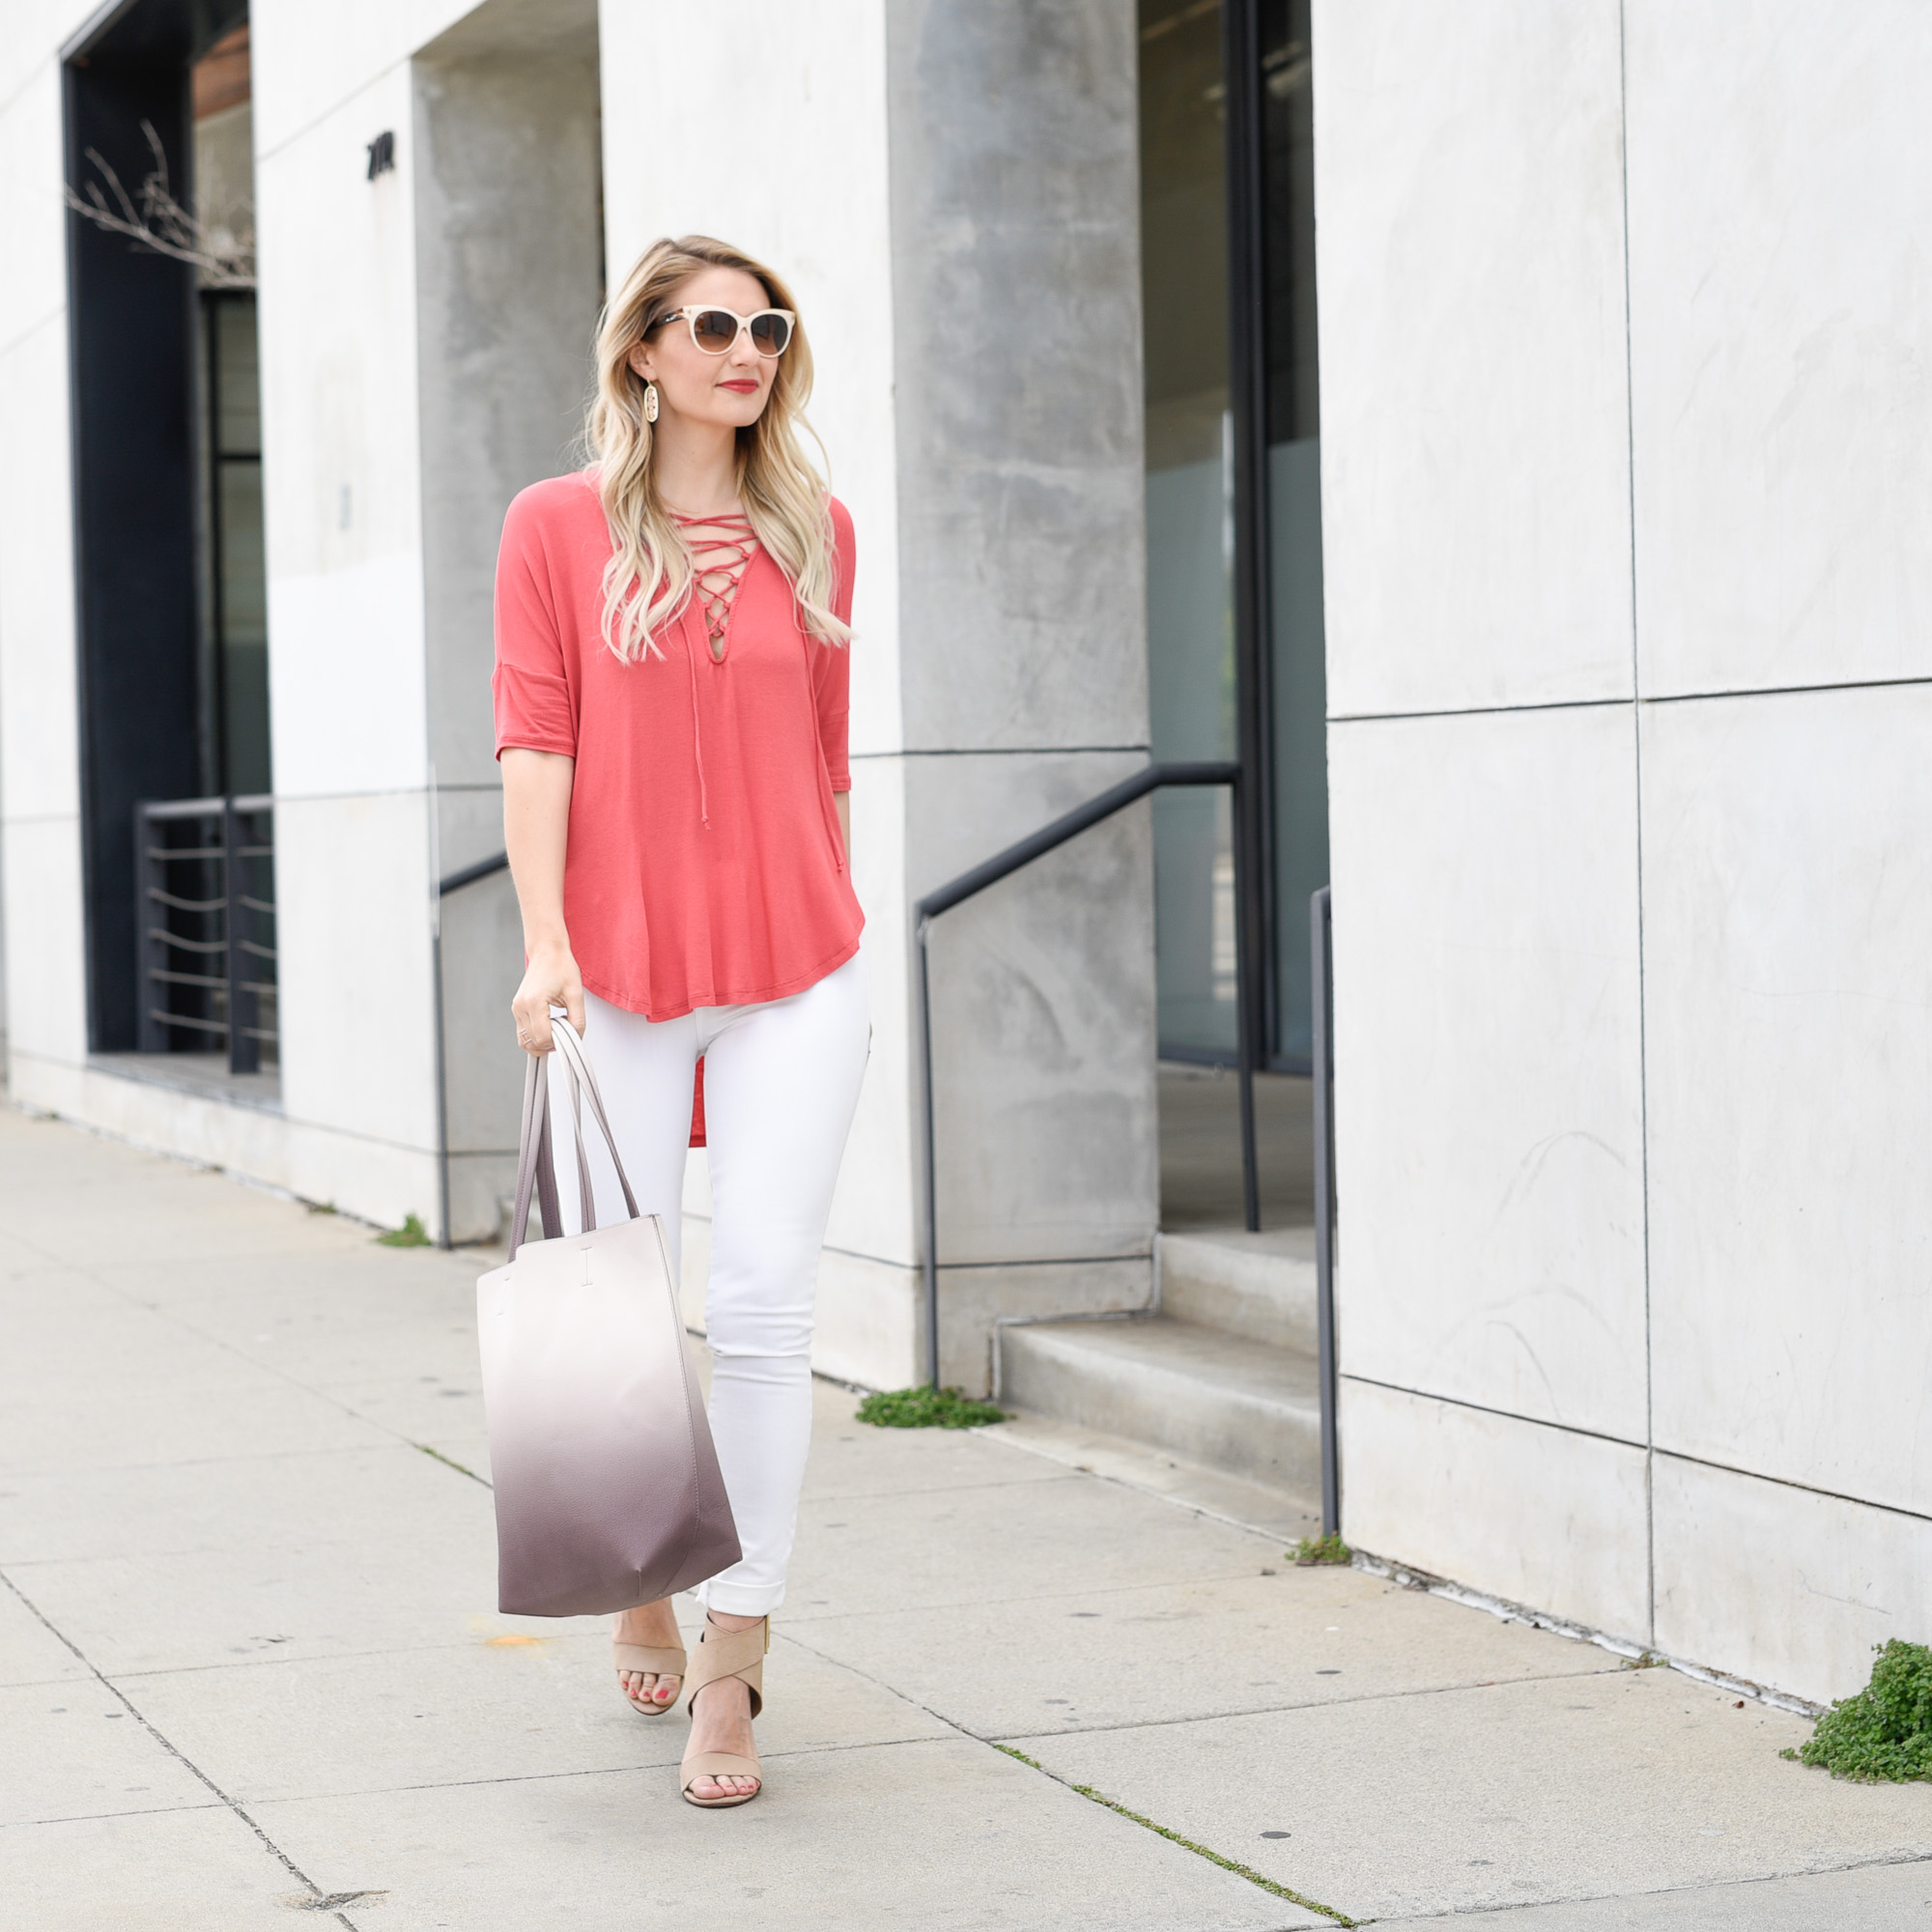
<point x="666" y="1659"/>
<point x="722" y="1653"/>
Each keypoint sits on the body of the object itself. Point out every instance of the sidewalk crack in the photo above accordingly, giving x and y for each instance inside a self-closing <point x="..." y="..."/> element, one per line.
<point x="1214" y="1858"/>
<point x="1084" y="1791"/>
<point x="322" y="1901"/>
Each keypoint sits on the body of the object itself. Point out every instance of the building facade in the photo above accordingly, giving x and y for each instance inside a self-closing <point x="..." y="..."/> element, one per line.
<point x="1565" y="605"/>
<point x="1626" y="506"/>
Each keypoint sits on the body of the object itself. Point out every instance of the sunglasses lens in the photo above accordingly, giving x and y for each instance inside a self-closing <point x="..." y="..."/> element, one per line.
<point x="771" y="332"/>
<point x="715" y="331"/>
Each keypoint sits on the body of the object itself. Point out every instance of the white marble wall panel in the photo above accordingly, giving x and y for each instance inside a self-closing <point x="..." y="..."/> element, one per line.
<point x="806" y="116"/>
<point x="309" y="61"/>
<point x="870" y="1327"/>
<point x="39" y="757"/>
<point x="1487" y="1049"/>
<point x="1474" y="422"/>
<point x="33" y="215"/>
<point x="353" y="887"/>
<point x="373" y="1180"/>
<point x="42" y="980"/>
<point x="35" y="30"/>
<point x="45" y="941"/>
<point x="1540" y="1516"/>
<point x="345" y="629"/>
<point x="252" y="1140"/>
<point x="1784" y="1586"/>
<point x="342" y="477"/>
<point x="1781" y="190"/>
<point x="1787" y="882"/>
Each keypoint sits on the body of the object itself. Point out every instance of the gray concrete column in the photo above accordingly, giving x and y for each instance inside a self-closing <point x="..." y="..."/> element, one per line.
<point x="1015" y="219"/>
<point x="509" y="279"/>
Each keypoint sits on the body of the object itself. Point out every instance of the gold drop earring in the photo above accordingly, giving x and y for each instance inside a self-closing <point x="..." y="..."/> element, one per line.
<point x="650" y="402"/>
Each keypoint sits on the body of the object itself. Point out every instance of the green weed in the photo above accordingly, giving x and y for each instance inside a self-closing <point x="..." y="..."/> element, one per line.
<point x="1320" y="1550"/>
<point x="1884" y="1735"/>
<point x="409" y="1234"/>
<point x="926" y="1408"/>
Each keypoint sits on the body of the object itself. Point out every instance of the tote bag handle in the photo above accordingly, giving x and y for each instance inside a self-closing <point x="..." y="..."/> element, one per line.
<point x="536" y="1165"/>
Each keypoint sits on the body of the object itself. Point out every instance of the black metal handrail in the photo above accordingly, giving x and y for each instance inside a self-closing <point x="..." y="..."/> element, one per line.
<point x="229" y="924"/>
<point x="469" y="874"/>
<point x="1002" y="864"/>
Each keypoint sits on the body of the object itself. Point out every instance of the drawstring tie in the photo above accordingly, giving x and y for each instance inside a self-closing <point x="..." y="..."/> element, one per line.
<point x="720" y="547"/>
<point x="697" y="728"/>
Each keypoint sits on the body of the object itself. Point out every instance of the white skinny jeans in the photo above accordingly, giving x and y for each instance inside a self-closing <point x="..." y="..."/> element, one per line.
<point x="780" y="1085"/>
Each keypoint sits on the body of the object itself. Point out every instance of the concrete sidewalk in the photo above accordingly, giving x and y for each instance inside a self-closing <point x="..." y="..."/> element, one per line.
<point x="248" y="1664"/>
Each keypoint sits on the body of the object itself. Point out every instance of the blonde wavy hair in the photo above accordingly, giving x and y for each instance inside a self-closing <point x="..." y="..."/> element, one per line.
<point x="648" y="580"/>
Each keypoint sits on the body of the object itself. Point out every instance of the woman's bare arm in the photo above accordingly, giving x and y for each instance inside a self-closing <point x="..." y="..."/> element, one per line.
<point x="842" y="802"/>
<point x="536" y="823"/>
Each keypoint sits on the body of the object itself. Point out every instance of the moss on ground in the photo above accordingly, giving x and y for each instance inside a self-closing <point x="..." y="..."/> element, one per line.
<point x="410" y="1235"/>
<point x="1884" y="1735"/>
<point x="1320" y="1550"/>
<point x="926" y="1408"/>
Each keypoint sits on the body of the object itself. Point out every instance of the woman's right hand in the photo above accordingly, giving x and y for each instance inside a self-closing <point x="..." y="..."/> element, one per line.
<point x="549" y="980"/>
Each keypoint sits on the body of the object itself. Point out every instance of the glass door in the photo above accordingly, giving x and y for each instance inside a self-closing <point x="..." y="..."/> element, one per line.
<point x="238" y="684"/>
<point x="1196" y="670"/>
<point x="1189" y="514"/>
<point x="1297" y="681"/>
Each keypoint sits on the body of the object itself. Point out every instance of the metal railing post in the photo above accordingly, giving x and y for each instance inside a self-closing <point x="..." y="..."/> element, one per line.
<point x="1001" y="865"/>
<point x="1246" y="1010"/>
<point x="245" y="1049"/>
<point x="149" y="957"/>
<point x="1321" y="936"/>
<point x="929" y="1166"/>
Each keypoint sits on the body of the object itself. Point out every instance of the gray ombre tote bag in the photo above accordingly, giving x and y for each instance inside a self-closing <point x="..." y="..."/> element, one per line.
<point x="608" y="1488"/>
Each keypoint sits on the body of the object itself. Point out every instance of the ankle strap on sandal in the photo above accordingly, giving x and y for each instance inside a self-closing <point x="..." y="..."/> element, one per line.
<point x="723" y="1653"/>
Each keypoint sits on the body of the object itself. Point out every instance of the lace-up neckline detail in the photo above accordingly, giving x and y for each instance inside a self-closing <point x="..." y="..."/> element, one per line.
<point x="720" y="547"/>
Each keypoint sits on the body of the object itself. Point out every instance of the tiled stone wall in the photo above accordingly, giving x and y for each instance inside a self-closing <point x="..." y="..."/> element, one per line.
<point x="1631" y="690"/>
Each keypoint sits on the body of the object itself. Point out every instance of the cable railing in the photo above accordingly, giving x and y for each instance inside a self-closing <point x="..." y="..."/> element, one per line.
<point x="205" y="925"/>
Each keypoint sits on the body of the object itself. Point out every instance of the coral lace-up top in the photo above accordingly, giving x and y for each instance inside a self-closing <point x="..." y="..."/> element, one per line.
<point x="704" y="866"/>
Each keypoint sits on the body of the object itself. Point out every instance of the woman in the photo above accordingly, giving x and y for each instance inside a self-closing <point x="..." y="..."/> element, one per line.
<point x="671" y="693"/>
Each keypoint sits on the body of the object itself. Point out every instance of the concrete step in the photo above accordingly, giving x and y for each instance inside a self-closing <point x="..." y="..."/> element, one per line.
<point x="1260" y="1287"/>
<point x="1222" y="1400"/>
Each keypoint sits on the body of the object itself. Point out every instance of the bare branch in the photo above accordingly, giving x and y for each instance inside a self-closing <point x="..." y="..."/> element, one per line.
<point x="162" y="226"/>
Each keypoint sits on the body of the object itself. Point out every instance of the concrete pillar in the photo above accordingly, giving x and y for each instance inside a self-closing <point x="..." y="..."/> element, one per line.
<point x="424" y="346"/>
<point x="952" y="190"/>
<point x="509" y="280"/>
<point x="40" y="765"/>
<point x="348" y="692"/>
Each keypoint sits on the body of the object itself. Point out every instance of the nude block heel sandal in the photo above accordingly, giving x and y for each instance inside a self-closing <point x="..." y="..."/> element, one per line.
<point x="662" y="1658"/>
<point x="722" y="1653"/>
